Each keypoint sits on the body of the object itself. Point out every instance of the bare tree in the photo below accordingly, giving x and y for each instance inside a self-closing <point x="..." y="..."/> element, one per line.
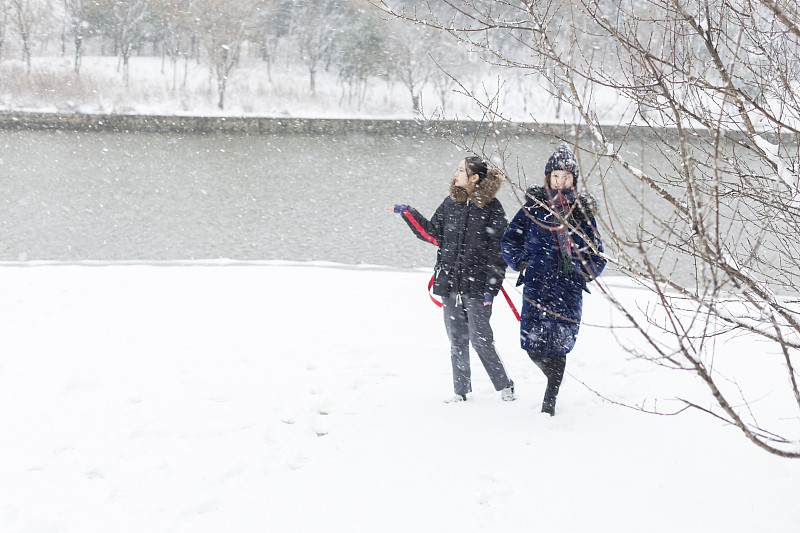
<point x="314" y="26"/>
<point x="75" y="12"/>
<point x="408" y="48"/>
<point x="224" y="24"/>
<point x="176" y="21"/>
<point x="27" y="16"/>
<point x="450" y="65"/>
<point x="4" y="18"/>
<point x="127" y="27"/>
<point x="360" y="54"/>
<point x="711" y="222"/>
<point x="272" y="25"/>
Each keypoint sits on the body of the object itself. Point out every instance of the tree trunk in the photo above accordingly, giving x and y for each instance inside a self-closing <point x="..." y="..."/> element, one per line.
<point x="26" y="54"/>
<point x="78" y="53"/>
<point x="221" y="88"/>
<point x="125" y="69"/>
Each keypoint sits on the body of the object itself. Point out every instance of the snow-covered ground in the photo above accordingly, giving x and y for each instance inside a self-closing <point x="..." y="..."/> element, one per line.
<point x="308" y="397"/>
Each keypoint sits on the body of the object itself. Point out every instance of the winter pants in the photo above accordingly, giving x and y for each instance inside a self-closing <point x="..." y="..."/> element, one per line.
<point x="467" y="321"/>
<point x="553" y="370"/>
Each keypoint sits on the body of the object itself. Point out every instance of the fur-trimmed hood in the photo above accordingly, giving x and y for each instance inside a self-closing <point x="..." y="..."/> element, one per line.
<point x="585" y="206"/>
<point x="485" y="191"/>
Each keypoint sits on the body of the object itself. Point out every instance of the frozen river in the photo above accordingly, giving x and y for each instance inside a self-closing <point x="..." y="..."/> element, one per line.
<point x="70" y="196"/>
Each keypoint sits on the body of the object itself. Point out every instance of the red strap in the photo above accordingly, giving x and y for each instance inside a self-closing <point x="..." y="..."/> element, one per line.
<point x="430" y="285"/>
<point x="510" y="303"/>
<point x="425" y="234"/>
<point x="508" y="298"/>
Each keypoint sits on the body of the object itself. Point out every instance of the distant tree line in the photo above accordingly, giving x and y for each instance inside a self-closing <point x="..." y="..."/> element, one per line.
<point x="347" y="37"/>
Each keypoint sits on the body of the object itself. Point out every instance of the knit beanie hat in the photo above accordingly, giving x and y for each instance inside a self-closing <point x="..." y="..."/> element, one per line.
<point x="562" y="159"/>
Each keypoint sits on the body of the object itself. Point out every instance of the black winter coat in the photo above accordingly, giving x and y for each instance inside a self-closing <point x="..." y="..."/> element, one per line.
<point x="467" y="232"/>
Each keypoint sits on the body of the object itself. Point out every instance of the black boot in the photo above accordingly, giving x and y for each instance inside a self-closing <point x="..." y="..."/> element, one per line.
<point x="553" y="369"/>
<point x="549" y="405"/>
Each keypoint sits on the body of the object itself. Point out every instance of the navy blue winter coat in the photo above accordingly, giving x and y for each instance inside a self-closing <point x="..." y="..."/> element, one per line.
<point x="467" y="231"/>
<point x="550" y="327"/>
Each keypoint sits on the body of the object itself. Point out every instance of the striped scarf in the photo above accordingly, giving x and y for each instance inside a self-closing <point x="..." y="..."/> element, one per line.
<point x="561" y="204"/>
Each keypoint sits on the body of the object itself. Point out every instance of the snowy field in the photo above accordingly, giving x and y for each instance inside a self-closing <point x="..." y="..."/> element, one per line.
<point x="283" y="397"/>
<point x="155" y="89"/>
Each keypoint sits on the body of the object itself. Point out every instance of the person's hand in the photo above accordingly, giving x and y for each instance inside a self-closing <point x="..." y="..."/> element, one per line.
<point x="396" y="208"/>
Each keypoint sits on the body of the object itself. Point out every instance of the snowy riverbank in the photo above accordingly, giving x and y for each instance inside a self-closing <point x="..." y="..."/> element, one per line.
<point x="52" y="87"/>
<point x="307" y="397"/>
<point x="23" y="120"/>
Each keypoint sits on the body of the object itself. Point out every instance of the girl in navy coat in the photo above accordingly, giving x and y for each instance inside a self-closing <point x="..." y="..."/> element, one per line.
<point x="469" y="270"/>
<point x="554" y="245"/>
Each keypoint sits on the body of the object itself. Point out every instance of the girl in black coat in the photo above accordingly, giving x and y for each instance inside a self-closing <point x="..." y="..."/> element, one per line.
<point x="469" y="270"/>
